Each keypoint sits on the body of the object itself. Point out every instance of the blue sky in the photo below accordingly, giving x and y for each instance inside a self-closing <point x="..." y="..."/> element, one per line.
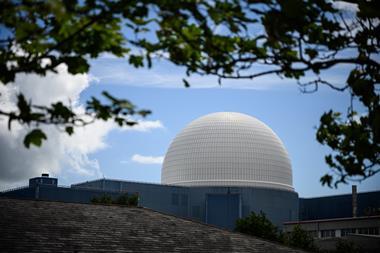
<point x="292" y="114"/>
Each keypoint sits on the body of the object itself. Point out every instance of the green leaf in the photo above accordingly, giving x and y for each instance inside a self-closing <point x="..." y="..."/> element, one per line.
<point x="22" y="105"/>
<point x="76" y="64"/>
<point x="69" y="130"/>
<point x="136" y="61"/>
<point x="326" y="180"/>
<point x="144" y="113"/>
<point x="312" y="53"/>
<point x="34" y="137"/>
<point x="185" y="83"/>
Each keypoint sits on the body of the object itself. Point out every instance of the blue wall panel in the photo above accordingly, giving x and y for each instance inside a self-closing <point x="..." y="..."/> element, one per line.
<point x="162" y="198"/>
<point x="223" y="210"/>
<point x="338" y="206"/>
<point x="190" y="202"/>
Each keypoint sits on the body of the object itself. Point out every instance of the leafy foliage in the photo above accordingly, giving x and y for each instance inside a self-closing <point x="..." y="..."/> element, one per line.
<point x="299" y="238"/>
<point x="229" y="39"/>
<point x="37" y="36"/>
<point x="104" y="199"/>
<point x="345" y="246"/>
<point x="124" y="199"/>
<point x="35" y="137"/>
<point x="257" y="225"/>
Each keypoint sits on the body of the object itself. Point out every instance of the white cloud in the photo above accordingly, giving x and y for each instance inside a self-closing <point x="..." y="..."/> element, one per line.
<point x="59" y="151"/>
<point x="53" y="87"/>
<point x="145" y="125"/>
<point x="61" y="155"/>
<point x="166" y="75"/>
<point x="147" y="159"/>
<point x="346" y="6"/>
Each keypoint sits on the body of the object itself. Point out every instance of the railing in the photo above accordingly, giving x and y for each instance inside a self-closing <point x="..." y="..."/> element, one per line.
<point x="124" y="181"/>
<point x="69" y="187"/>
<point x="63" y="186"/>
<point x="26" y="186"/>
<point x="99" y="189"/>
<point x="14" y="189"/>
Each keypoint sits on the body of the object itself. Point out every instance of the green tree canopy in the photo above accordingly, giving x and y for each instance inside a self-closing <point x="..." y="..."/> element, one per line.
<point x="299" y="238"/>
<point x="230" y="39"/>
<point x="257" y="225"/>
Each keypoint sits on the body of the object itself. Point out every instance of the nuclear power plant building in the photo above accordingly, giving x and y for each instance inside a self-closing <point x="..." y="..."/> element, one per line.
<point x="219" y="168"/>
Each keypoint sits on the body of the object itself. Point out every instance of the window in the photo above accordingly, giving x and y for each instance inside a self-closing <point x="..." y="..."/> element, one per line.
<point x="374" y="231"/>
<point x="328" y="233"/>
<point x="368" y="231"/>
<point x="347" y="231"/>
<point x="363" y="231"/>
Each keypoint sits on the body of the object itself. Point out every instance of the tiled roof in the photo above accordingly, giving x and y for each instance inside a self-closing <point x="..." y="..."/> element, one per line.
<point x="41" y="226"/>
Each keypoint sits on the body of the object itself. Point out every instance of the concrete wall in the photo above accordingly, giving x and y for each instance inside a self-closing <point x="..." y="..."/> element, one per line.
<point x="360" y="222"/>
<point x="363" y="243"/>
<point x="338" y="227"/>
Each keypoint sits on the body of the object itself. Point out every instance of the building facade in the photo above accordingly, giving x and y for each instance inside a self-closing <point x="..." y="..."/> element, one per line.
<point x="338" y="227"/>
<point x="220" y="206"/>
<point x="363" y="232"/>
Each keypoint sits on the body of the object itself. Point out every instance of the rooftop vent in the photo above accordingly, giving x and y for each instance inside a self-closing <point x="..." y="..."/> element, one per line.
<point x="45" y="175"/>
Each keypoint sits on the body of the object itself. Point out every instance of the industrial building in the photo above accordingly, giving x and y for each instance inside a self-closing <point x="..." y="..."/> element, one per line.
<point x="219" y="168"/>
<point x="338" y="227"/>
<point x="363" y="232"/>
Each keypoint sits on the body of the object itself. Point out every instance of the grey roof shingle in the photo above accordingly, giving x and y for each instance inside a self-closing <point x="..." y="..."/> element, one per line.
<point x="41" y="226"/>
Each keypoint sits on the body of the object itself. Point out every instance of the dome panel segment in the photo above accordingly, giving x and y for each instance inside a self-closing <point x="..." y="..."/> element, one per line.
<point x="227" y="149"/>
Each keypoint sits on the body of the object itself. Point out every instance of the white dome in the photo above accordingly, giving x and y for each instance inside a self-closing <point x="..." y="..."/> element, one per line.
<point x="227" y="149"/>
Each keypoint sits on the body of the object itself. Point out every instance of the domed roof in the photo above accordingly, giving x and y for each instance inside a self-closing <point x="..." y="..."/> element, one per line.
<point x="227" y="149"/>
